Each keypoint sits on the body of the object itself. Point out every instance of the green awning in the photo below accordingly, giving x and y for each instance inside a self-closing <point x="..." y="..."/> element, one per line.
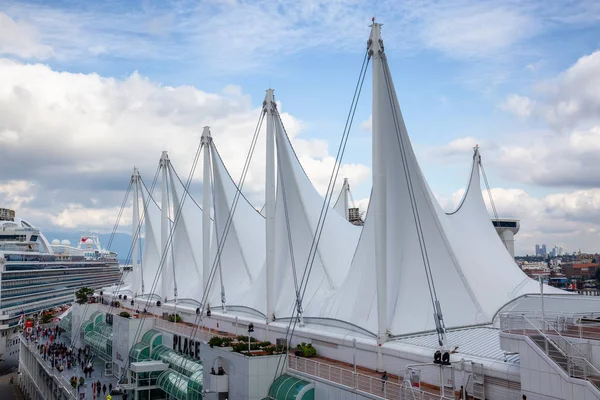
<point x="195" y="385"/>
<point x="65" y="323"/>
<point x="139" y="352"/>
<point x="173" y="384"/>
<point x="152" y="338"/>
<point x="287" y="387"/>
<point x="178" y="362"/>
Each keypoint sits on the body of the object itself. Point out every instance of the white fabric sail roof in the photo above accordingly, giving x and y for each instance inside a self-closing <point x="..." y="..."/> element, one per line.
<point x="341" y="204"/>
<point x="186" y="245"/>
<point x="151" y="249"/>
<point x="473" y="274"/>
<point x="495" y="277"/>
<point x="457" y="258"/>
<point x="243" y="248"/>
<point x="297" y="198"/>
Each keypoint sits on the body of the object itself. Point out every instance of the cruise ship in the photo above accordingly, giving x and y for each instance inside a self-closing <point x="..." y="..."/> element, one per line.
<point x="36" y="275"/>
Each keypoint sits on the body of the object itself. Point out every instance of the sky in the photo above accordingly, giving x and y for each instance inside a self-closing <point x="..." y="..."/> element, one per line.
<point x="90" y="89"/>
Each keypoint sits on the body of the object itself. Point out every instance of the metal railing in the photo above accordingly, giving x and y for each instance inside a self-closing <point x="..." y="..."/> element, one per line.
<point x="184" y="330"/>
<point x="569" y="325"/>
<point x="568" y="356"/>
<point x="368" y="384"/>
<point x="60" y="379"/>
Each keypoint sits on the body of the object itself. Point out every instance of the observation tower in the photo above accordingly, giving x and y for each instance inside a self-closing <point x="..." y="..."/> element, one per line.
<point x="507" y="229"/>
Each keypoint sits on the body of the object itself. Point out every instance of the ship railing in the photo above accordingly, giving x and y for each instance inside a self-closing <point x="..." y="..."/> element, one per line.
<point x="358" y="382"/>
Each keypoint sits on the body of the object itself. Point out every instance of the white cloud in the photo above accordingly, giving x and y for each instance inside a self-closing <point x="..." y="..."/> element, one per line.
<point x="476" y="31"/>
<point x="21" y="39"/>
<point x="570" y="99"/>
<point x="237" y="35"/>
<point x="16" y="193"/>
<point x="367" y="125"/>
<point x="518" y="105"/>
<point x="69" y="141"/>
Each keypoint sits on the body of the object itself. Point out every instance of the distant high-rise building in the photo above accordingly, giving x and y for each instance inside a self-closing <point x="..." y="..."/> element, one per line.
<point x="540" y="250"/>
<point x="556" y="251"/>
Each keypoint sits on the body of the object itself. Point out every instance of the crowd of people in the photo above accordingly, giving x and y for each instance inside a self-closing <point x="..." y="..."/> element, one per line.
<point x="63" y="357"/>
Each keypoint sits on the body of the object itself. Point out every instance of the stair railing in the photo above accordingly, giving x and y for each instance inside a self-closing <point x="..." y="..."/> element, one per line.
<point x="547" y="340"/>
<point x="570" y="345"/>
<point x="577" y="366"/>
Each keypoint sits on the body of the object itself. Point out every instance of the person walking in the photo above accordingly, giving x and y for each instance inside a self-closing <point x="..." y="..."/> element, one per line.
<point x="109" y="388"/>
<point x="104" y="389"/>
<point x="384" y="379"/>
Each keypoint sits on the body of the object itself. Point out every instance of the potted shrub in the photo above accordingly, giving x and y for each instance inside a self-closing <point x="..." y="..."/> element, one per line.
<point x="174" y="318"/>
<point x="125" y="314"/>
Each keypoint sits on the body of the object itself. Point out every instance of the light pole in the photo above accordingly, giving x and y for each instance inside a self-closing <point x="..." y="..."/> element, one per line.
<point x="354" y="362"/>
<point x="354" y="355"/>
<point x="250" y="330"/>
<point x="542" y="299"/>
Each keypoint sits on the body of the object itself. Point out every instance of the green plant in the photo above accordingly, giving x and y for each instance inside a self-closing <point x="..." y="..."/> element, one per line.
<point x="46" y="318"/>
<point x="73" y="381"/>
<point x="220" y="341"/>
<point x="125" y="314"/>
<point x="82" y="295"/>
<point x="174" y="318"/>
<point x="81" y="381"/>
<point x="238" y="348"/>
<point x="242" y="338"/>
<point x="306" y="349"/>
<point x="265" y="343"/>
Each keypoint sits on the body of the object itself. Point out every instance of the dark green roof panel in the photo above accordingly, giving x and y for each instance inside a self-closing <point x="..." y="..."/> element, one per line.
<point x="287" y="387"/>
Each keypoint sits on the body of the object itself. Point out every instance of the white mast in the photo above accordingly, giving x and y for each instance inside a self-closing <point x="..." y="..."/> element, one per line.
<point x="135" y="226"/>
<point x="269" y="108"/>
<point x="206" y="204"/>
<point x="164" y="222"/>
<point x="345" y="192"/>
<point x="375" y="48"/>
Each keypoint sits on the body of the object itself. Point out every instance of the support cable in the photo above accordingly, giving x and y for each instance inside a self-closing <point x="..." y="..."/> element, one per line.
<point x="439" y="322"/>
<point x="218" y="240"/>
<point x="186" y="189"/>
<point x="325" y="207"/>
<point x="136" y="236"/>
<point x="232" y="210"/>
<point x="163" y="256"/>
<point x="123" y="203"/>
<point x="200" y="315"/>
<point x="489" y="190"/>
<point x="169" y="194"/>
<point x="289" y="237"/>
<point x="116" y="225"/>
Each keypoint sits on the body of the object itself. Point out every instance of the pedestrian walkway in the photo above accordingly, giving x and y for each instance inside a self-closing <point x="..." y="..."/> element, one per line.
<point x="98" y="373"/>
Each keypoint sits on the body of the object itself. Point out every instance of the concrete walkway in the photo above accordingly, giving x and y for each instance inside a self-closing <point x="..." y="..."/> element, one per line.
<point x="97" y="375"/>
